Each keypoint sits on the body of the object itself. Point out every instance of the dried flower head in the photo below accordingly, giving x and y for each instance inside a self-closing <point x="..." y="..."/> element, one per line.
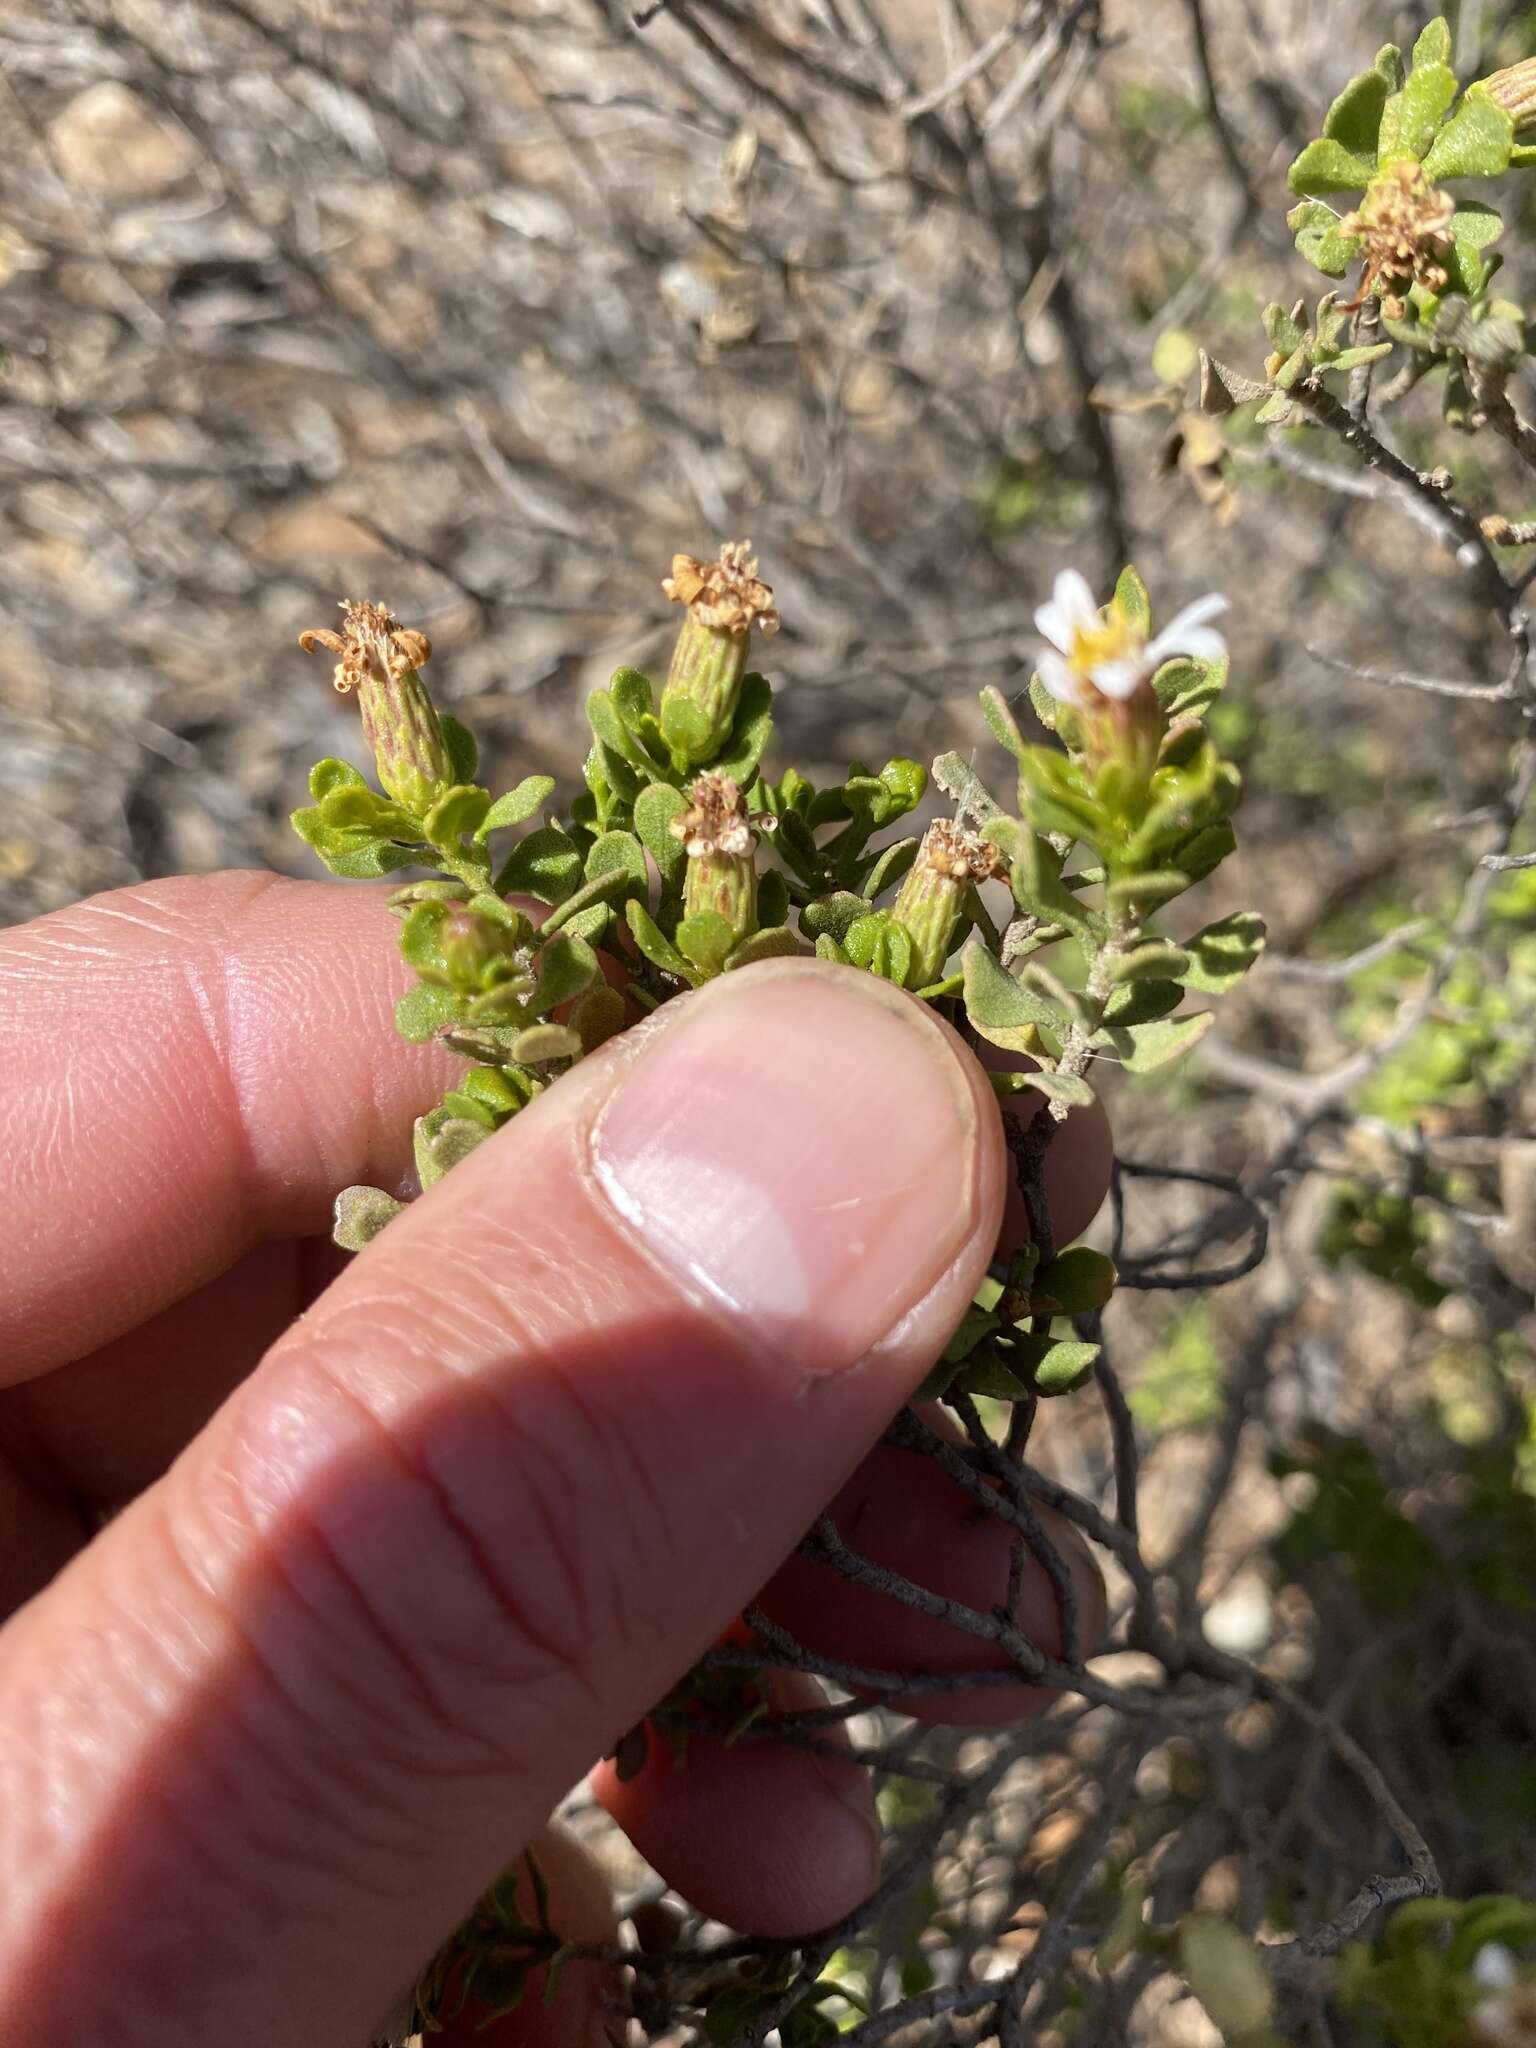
<point x="372" y="642"/>
<point x="1403" y="228"/>
<point x="948" y="849"/>
<point x="716" y="821"/>
<point x="728" y="596"/>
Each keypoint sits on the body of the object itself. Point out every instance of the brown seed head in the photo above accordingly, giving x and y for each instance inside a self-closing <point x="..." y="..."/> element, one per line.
<point x="729" y="596"/>
<point x="372" y="640"/>
<point x="1403" y="227"/>
<point x="949" y="850"/>
<point x="717" y="820"/>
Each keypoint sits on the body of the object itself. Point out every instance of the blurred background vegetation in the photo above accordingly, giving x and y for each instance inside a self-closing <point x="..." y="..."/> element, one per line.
<point x="484" y="309"/>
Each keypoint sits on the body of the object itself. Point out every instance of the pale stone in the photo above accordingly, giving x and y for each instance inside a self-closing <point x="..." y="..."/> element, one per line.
<point x="106" y="140"/>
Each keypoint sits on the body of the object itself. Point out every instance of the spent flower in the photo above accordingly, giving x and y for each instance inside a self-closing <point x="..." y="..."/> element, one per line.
<point x="725" y="600"/>
<point x="1403" y="227"/>
<point x="931" y="899"/>
<point x="380" y="659"/>
<point x="717" y="835"/>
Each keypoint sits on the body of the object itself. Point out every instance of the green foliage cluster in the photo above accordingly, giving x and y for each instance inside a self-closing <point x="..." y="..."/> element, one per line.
<point x="1446" y="1973"/>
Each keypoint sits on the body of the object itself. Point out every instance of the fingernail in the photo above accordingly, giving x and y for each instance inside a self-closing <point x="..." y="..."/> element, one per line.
<point x="799" y="1142"/>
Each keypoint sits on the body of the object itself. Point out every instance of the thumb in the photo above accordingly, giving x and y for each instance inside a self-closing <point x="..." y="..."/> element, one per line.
<point x="477" y="1511"/>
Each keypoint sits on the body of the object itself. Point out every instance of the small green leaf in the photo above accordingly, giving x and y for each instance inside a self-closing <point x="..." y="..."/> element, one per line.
<point x="705" y="940"/>
<point x="880" y="945"/>
<point x="1139" y="1002"/>
<point x="1327" y="166"/>
<point x="775" y="942"/>
<point x="772" y="899"/>
<point x="892" y="863"/>
<point x="1187" y="688"/>
<point x="423" y="1012"/>
<point x="1005" y="727"/>
<point x="1320" y="236"/>
<point x="1223" y="1969"/>
<point x="1223" y="952"/>
<point x="1006" y="1014"/>
<point x="597" y="1015"/>
<point x="1154" y="960"/>
<point x="1474" y="143"/>
<point x="517" y="805"/>
<point x="546" y="864"/>
<point x="827" y="948"/>
<point x="333" y="774"/>
<point x="1354" y="119"/>
<point x="1204" y="850"/>
<point x="440" y="1146"/>
<point x="1473" y="229"/>
<point x="655" y="808"/>
<point x="601" y="891"/>
<point x="361" y="1213"/>
<point x="632" y="694"/>
<point x="653" y="942"/>
<point x="455" y="815"/>
<point x="750" y="732"/>
<point x="835" y="913"/>
<point x="463" y="754"/>
<point x="1063" y="1367"/>
<point x="1154" y="1045"/>
<point x="543" y="1042"/>
<point x="1076" y="1282"/>
<point x="1132" y="601"/>
<point x="1410" y="117"/>
<point x="618" y="855"/>
<point x="567" y="965"/>
<point x="1069" y="1089"/>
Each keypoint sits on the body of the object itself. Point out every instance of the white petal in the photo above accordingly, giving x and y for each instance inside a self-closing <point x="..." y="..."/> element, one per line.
<point x="1187" y="633"/>
<point x="1071" y="606"/>
<point x="1119" y="678"/>
<point x="1063" y="682"/>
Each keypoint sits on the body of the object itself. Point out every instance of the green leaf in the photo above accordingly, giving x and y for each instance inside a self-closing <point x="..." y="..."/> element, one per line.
<point x="778" y="940"/>
<point x="1154" y="1045"/>
<point x="880" y="945"/>
<point x="751" y="731"/>
<point x="1154" y="960"/>
<point x="543" y="1042"/>
<point x="333" y="774"/>
<point x="892" y="863"/>
<point x="1187" y="688"/>
<point x="1075" y="1283"/>
<point x="1139" y="1002"/>
<point x="1224" y="951"/>
<point x="1327" y="166"/>
<point x="597" y="1015"/>
<point x="618" y="855"/>
<point x="1069" y="1089"/>
<point x="827" y="948"/>
<point x="1222" y="1966"/>
<point x="455" y="815"/>
<point x="1354" y="119"/>
<point x="610" y="729"/>
<point x="835" y="913"/>
<point x="1132" y="601"/>
<point x="655" y="808"/>
<point x="547" y="864"/>
<point x="1351" y="358"/>
<point x="1034" y="874"/>
<point x="1433" y="45"/>
<point x="463" y="754"/>
<point x="1004" y="726"/>
<point x="653" y="943"/>
<point x="352" y="852"/>
<point x="772" y="899"/>
<point x="632" y="694"/>
<point x="441" y="1145"/>
<point x="573" y="914"/>
<point x="1473" y="228"/>
<point x="1410" y="117"/>
<point x="1063" y="1367"/>
<point x="1320" y="237"/>
<point x="517" y="805"/>
<point x="567" y="965"/>
<point x="705" y="940"/>
<point x="1204" y="850"/>
<point x="361" y="1213"/>
<point x="1005" y="1013"/>
<point x="423" y="1012"/>
<point x="1474" y="143"/>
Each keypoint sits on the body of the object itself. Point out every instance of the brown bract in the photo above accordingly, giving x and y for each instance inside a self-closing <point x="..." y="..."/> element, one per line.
<point x="372" y="640"/>
<point x="728" y="595"/>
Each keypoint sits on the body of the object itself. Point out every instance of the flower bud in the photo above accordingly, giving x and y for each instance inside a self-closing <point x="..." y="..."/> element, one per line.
<point x="721" y="874"/>
<point x="380" y="659"/>
<point x="1514" y="89"/>
<point x="479" y="953"/>
<point x="932" y="895"/>
<point x="725" y="600"/>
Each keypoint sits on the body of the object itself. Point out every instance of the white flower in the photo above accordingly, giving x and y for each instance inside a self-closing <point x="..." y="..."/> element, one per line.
<point x="1112" y="656"/>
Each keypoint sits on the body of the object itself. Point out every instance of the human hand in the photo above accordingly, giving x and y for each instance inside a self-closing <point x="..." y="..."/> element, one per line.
<point x="329" y="1582"/>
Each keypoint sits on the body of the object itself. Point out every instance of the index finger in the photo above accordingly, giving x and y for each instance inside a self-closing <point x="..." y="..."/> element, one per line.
<point x="189" y="1067"/>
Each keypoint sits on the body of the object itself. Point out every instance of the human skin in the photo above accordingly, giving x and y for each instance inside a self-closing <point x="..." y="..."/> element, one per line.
<point x="330" y="1577"/>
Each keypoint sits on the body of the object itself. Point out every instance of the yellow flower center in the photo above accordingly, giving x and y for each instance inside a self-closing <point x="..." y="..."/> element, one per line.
<point x="1113" y="639"/>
